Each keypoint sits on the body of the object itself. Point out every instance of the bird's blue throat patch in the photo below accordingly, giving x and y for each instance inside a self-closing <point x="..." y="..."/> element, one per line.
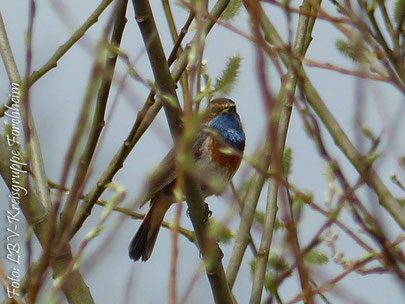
<point x="229" y="126"/>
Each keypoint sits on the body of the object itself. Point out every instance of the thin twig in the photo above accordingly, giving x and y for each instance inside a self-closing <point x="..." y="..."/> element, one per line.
<point x="97" y="123"/>
<point x="247" y="216"/>
<point x="62" y="50"/>
<point x="77" y="290"/>
<point x="143" y="121"/>
<point x="369" y="175"/>
<point x="175" y="38"/>
<point x="286" y="101"/>
<point x="352" y="267"/>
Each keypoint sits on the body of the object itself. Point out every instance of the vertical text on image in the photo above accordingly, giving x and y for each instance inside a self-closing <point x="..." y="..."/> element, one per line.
<point x="18" y="191"/>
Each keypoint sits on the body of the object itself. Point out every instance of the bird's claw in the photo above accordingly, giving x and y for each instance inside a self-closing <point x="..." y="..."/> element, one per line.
<point x="208" y="212"/>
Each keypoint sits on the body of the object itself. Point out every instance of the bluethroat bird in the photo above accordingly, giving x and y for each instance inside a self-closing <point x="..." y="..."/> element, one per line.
<point x="217" y="150"/>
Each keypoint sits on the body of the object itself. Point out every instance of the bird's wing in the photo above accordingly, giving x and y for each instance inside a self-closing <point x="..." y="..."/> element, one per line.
<point x="163" y="175"/>
<point x="166" y="171"/>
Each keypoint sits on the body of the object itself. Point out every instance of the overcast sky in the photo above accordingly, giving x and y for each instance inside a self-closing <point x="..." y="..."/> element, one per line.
<point x="56" y="99"/>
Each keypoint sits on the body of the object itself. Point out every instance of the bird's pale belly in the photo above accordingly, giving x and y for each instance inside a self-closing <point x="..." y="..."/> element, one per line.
<point x="215" y="167"/>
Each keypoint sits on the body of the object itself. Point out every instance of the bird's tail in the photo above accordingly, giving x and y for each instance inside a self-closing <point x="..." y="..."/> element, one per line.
<point x="142" y="244"/>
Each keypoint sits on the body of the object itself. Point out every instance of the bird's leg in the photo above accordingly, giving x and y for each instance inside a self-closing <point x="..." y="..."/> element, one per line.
<point x="208" y="212"/>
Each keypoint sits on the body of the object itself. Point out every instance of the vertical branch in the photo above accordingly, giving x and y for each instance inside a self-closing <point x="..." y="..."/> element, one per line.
<point x="34" y="210"/>
<point x="209" y="248"/>
<point x="7" y="55"/>
<point x="174" y="232"/>
<point x="286" y="99"/>
<point x="164" y="81"/>
<point x="247" y="216"/>
<point x="26" y="115"/>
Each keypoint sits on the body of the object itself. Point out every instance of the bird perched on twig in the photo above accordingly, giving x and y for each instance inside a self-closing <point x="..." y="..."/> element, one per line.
<point x="217" y="150"/>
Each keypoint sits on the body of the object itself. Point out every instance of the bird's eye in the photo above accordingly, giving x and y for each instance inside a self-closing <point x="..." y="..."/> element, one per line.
<point x="229" y="107"/>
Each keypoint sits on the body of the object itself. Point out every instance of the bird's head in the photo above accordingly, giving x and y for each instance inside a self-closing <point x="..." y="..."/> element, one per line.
<point x="219" y="106"/>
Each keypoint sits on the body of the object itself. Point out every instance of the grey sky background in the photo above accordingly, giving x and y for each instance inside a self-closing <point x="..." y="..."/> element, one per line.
<point x="56" y="100"/>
